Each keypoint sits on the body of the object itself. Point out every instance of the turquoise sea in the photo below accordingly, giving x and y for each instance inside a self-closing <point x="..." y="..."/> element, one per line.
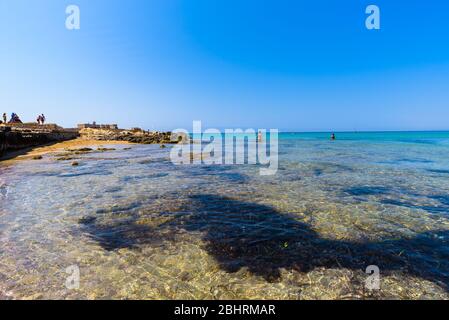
<point x="138" y="226"/>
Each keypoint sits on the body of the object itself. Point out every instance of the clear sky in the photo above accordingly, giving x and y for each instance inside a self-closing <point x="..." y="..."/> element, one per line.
<point x="292" y="65"/>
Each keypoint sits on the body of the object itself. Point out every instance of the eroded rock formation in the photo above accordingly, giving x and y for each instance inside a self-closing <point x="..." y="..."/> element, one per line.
<point x="135" y="136"/>
<point x="23" y="136"/>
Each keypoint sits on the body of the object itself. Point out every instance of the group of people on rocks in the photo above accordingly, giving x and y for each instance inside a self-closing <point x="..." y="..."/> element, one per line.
<point x="16" y="119"/>
<point x="40" y="119"/>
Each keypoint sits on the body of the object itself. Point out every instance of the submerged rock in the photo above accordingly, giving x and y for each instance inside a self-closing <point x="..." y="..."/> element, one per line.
<point x="105" y="149"/>
<point x="80" y="150"/>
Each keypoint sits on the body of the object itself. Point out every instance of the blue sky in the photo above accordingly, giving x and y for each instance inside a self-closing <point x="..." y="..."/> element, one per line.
<point x="291" y="65"/>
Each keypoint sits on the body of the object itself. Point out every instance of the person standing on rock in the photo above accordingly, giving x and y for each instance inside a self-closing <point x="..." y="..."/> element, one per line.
<point x="5" y="118"/>
<point x="42" y="118"/>
<point x="39" y="119"/>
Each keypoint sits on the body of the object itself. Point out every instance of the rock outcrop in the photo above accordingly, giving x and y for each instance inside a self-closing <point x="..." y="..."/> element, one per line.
<point x="21" y="136"/>
<point x="134" y="136"/>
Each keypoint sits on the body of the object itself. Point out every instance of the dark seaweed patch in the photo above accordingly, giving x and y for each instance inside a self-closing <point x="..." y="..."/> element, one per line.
<point x="3" y="189"/>
<point x="216" y="172"/>
<point x="155" y="161"/>
<point x="242" y="234"/>
<point x="414" y="160"/>
<point x="87" y="220"/>
<point x="143" y="177"/>
<point x="443" y="199"/>
<point x="257" y="237"/>
<point x="113" y="189"/>
<point x="409" y="205"/>
<point x="291" y="176"/>
<point x="438" y="171"/>
<point x="117" y="208"/>
<point x="366" y="190"/>
<point x="86" y="172"/>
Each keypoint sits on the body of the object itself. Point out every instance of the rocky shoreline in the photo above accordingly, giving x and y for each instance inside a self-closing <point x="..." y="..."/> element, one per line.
<point x="133" y="136"/>
<point x="21" y="136"/>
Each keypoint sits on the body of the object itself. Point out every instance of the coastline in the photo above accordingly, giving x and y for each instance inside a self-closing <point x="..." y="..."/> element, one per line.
<point x="24" y="141"/>
<point x="13" y="157"/>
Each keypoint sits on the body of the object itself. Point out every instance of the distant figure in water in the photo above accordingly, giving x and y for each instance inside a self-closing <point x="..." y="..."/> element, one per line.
<point x="259" y="137"/>
<point x="333" y="136"/>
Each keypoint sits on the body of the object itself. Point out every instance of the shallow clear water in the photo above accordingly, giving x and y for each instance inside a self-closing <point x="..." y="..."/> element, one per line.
<point x="138" y="226"/>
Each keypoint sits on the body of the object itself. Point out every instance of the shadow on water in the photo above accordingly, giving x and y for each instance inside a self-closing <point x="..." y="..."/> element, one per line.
<point x="243" y="234"/>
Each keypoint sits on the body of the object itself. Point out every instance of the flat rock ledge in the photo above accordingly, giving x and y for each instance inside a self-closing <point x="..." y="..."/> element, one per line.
<point x="22" y="136"/>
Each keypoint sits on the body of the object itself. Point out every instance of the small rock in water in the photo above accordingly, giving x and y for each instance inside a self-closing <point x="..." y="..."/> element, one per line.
<point x="87" y="220"/>
<point x="163" y="146"/>
<point x="79" y="151"/>
<point x="38" y="157"/>
<point x="75" y="163"/>
<point x="65" y="158"/>
<point x="105" y="149"/>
